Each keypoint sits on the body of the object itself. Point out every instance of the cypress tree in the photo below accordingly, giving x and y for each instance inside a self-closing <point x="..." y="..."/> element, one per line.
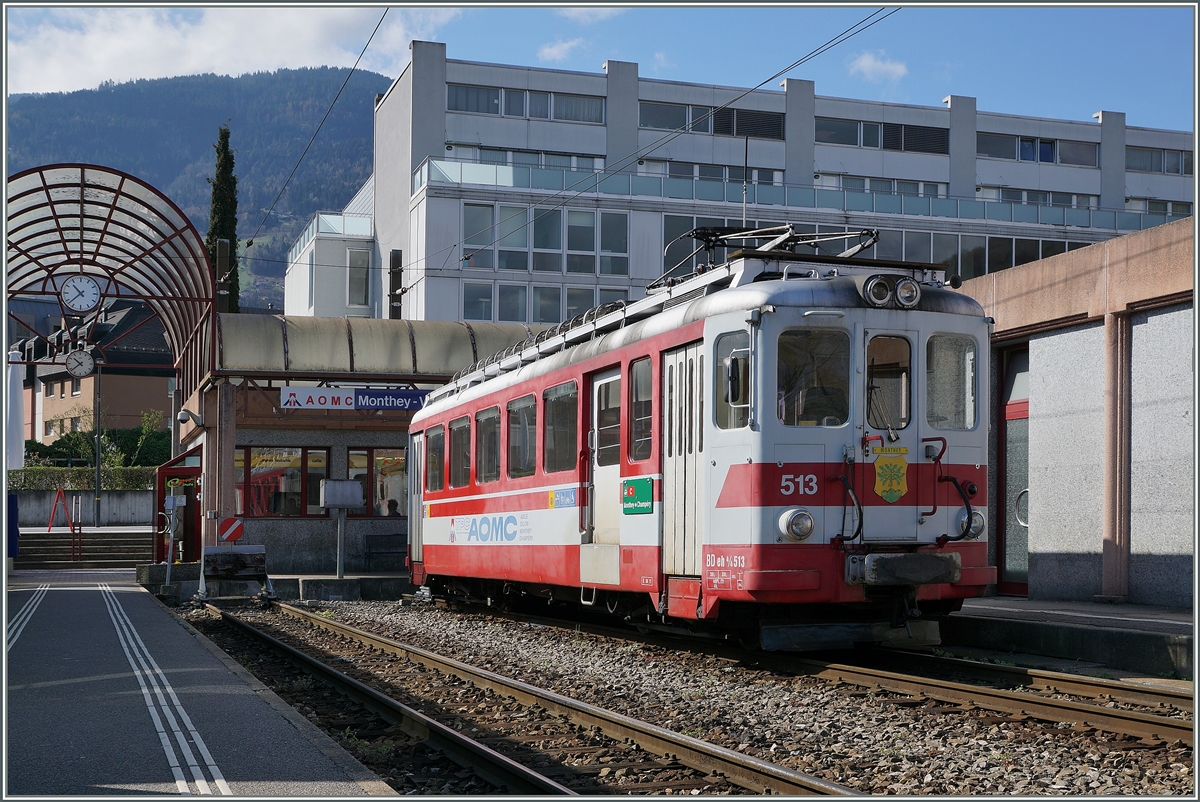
<point x="222" y="216"/>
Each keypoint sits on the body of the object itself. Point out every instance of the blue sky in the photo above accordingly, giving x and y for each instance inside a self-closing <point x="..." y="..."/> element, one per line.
<point x="1064" y="62"/>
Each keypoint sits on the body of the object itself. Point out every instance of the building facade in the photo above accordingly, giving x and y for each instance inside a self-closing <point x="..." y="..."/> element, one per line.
<point x="510" y="194"/>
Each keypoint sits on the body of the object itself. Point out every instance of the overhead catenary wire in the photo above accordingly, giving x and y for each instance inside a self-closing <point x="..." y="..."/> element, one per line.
<point x="627" y="160"/>
<point x="283" y="188"/>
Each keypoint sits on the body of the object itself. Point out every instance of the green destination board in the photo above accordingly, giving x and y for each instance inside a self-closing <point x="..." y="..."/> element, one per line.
<point x="637" y="496"/>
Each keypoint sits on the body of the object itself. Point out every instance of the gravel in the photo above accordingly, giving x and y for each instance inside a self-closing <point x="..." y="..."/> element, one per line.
<point x="876" y="743"/>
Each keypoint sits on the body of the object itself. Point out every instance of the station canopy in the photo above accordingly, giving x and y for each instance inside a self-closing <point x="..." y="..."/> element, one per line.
<point x="71" y="219"/>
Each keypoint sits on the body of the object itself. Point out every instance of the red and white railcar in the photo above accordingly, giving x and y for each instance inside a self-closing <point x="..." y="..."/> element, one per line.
<point x="787" y="447"/>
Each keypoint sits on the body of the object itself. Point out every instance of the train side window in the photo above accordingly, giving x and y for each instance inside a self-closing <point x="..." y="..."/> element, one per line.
<point x="608" y="423"/>
<point x="435" y="456"/>
<point x="813" y="377"/>
<point x="950" y="367"/>
<point x="641" y="422"/>
<point x="460" y="452"/>
<point x="732" y="392"/>
<point x="561" y="404"/>
<point x="487" y="445"/>
<point x="522" y="436"/>
<point x="889" y="382"/>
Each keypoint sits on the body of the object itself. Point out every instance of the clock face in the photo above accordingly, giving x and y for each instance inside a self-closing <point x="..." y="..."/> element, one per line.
<point x="80" y="293"/>
<point x="80" y="363"/>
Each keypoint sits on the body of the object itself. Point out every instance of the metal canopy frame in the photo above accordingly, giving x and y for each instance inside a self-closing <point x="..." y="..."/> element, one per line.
<point x="70" y="219"/>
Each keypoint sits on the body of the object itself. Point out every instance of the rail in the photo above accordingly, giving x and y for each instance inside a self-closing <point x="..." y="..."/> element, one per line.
<point x="743" y="770"/>
<point x="488" y="764"/>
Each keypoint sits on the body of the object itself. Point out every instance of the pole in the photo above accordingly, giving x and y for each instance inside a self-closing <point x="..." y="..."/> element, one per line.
<point x="171" y="541"/>
<point x="745" y="179"/>
<point x="96" y="518"/>
<point x="341" y="542"/>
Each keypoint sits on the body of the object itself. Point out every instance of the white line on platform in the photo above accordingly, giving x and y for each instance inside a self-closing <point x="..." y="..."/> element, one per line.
<point x="152" y="679"/>
<point x="17" y="625"/>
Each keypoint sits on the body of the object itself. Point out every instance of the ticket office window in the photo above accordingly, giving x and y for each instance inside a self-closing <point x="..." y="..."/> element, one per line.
<point x="279" y="481"/>
<point x="384" y="475"/>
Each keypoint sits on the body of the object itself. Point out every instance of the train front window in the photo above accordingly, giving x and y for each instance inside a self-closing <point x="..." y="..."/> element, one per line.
<point x="813" y="378"/>
<point x="950" y="367"/>
<point x="889" y="382"/>
<point x="460" y="452"/>
<point x="732" y="377"/>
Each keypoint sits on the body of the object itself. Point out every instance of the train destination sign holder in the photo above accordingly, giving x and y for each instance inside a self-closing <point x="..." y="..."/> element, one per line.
<point x="351" y="398"/>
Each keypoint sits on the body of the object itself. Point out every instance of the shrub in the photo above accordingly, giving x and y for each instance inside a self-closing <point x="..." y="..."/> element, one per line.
<point x="53" y="478"/>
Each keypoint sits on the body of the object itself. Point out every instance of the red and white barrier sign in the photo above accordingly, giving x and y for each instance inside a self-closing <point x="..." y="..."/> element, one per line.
<point x="230" y="529"/>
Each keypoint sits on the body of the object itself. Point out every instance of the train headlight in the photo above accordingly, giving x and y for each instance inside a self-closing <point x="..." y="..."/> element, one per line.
<point x="796" y="524"/>
<point x="908" y="293"/>
<point x="877" y="291"/>
<point x="978" y="522"/>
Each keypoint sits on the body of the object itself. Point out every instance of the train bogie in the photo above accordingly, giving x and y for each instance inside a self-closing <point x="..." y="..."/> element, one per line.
<point x="785" y="447"/>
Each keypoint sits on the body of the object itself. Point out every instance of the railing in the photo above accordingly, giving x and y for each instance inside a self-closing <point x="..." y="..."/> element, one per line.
<point x="353" y="225"/>
<point x="438" y="171"/>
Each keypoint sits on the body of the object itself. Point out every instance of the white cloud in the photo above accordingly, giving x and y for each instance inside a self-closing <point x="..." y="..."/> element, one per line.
<point x="559" y="51"/>
<point x="877" y="69"/>
<point x="586" y="16"/>
<point x="661" y="62"/>
<point x="61" y="50"/>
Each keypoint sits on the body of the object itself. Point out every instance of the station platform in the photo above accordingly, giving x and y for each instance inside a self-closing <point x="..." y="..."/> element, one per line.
<point x="110" y="694"/>
<point x="1153" y="641"/>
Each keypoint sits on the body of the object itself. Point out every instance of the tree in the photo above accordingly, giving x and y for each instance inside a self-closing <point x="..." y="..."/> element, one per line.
<point x="222" y="216"/>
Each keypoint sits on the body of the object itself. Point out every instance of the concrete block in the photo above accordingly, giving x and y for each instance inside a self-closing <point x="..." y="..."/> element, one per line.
<point x="384" y="588"/>
<point x="286" y="589"/>
<point x="1155" y="654"/>
<point x="328" y="589"/>
<point x="156" y="573"/>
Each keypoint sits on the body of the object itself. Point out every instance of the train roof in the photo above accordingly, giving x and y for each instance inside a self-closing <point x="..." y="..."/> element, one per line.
<point x="751" y="279"/>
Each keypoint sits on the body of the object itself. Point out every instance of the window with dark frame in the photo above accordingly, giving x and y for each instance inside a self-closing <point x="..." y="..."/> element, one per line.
<point x="279" y="481"/>
<point x="559" y="427"/>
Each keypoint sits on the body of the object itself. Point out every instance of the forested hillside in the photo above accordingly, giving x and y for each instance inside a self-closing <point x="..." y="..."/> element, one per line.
<point x="163" y="131"/>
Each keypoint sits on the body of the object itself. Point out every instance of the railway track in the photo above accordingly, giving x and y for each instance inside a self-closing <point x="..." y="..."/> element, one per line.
<point x="626" y="748"/>
<point x="1040" y="695"/>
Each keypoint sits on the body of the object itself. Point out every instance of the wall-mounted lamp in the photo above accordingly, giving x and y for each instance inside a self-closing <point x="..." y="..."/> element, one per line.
<point x="979" y="189"/>
<point x="186" y="414"/>
<point x="449" y="147"/>
<point x="816" y="176"/>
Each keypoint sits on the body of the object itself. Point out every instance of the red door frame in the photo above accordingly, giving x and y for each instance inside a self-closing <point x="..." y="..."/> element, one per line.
<point x="1016" y="410"/>
<point x="175" y="473"/>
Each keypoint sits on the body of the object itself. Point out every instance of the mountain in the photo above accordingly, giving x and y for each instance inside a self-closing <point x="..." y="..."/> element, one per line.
<point x="163" y="131"/>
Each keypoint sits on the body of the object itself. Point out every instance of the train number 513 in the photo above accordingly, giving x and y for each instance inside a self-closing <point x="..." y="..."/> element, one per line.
<point x="798" y="485"/>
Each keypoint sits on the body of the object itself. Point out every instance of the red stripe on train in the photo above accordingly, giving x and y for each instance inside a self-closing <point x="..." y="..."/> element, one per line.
<point x="768" y="484"/>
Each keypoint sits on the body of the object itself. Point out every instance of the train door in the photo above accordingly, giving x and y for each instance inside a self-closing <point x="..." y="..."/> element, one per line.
<point x="892" y="437"/>
<point x="416" y="487"/>
<point x="599" y="554"/>
<point x="1013" y="536"/>
<point x="682" y="450"/>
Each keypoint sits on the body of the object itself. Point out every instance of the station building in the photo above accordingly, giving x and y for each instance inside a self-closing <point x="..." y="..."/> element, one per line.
<point x="504" y="193"/>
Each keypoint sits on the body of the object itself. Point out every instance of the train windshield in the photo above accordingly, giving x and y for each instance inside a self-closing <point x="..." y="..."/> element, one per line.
<point x="813" y="378"/>
<point x="950" y="381"/>
<point x="889" y="382"/>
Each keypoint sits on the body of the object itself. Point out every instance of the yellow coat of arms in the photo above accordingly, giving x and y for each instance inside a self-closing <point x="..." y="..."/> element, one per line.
<point x="891" y="477"/>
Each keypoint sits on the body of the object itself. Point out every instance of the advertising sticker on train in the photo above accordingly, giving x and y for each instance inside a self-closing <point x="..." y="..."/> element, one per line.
<point x="230" y="529"/>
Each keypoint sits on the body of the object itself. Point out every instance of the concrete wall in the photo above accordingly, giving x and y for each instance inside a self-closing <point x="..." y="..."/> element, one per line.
<point x="1066" y="441"/>
<point x="1162" y="482"/>
<point x="134" y="507"/>
<point x="1058" y="307"/>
